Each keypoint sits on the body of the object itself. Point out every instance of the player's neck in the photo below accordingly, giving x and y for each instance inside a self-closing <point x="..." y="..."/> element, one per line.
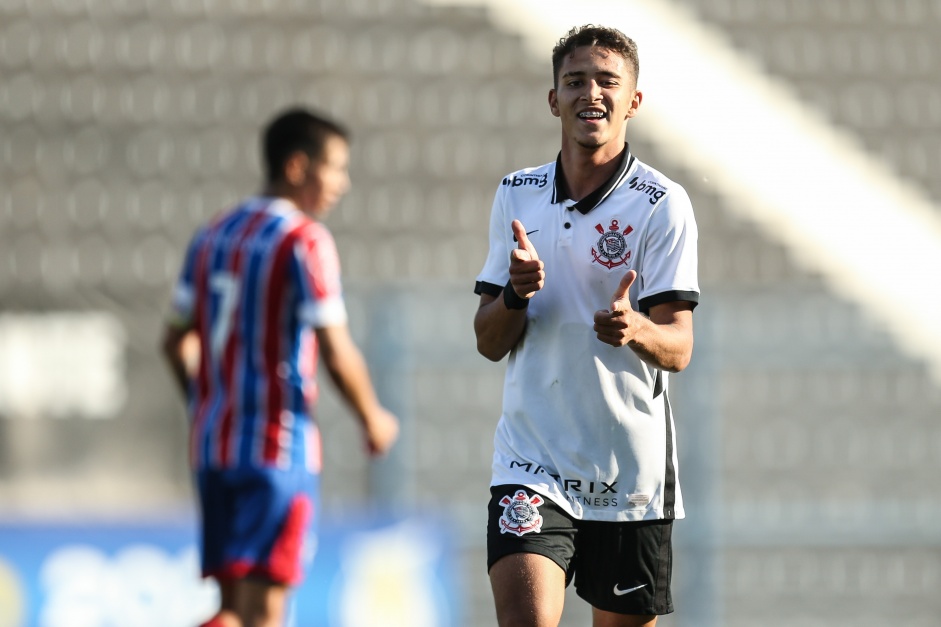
<point x="277" y="189"/>
<point x="586" y="169"/>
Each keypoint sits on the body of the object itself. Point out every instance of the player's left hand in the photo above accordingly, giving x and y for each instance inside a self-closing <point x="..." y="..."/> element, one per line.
<point x="381" y="430"/>
<point x="615" y="326"/>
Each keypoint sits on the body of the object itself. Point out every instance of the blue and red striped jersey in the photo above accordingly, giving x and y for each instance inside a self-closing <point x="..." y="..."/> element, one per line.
<point x="255" y="283"/>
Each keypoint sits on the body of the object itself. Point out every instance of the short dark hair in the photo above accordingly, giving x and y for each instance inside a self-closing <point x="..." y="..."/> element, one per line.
<point x="296" y="129"/>
<point x="590" y="35"/>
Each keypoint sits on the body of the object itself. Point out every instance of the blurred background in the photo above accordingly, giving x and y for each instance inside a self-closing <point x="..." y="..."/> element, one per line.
<point x="807" y="133"/>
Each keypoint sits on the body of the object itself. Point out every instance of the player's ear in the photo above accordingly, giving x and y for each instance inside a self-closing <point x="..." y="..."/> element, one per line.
<point x="553" y="103"/>
<point x="635" y="103"/>
<point x="295" y="168"/>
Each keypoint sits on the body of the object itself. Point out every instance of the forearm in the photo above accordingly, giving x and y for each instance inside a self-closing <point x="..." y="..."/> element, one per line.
<point x="498" y="329"/>
<point x="350" y="376"/>
<point x="348" y="371"/>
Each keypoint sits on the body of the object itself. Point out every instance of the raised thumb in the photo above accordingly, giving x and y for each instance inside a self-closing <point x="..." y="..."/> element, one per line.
<point x="623" y="288"/>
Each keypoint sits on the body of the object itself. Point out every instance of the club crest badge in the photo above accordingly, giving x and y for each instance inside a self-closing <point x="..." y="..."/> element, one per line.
<point x="521" y="513"/>
<point x="611" y="249"/>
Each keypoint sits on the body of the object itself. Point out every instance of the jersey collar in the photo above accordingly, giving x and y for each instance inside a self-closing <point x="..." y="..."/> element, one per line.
<point x="592" y="200"/>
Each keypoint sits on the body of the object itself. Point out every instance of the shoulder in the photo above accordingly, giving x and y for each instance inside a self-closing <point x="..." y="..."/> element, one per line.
<point x="223" y="222"/>
<point x="309" y="230"/>
<point x="313" y="239"/>
<point x="294" y="225"/>
<point x="203" y="234"/>
<point x="533" y="178"/>
<point x="661" y="190"/>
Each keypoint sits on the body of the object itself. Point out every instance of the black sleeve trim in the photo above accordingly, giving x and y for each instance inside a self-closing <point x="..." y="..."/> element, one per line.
<point x="483" y="287"/>
<point x="668" y="297"/>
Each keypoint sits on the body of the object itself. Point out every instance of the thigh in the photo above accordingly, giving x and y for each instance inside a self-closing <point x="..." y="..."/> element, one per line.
<point x="522" y="521"/>
<point x="215" y="508"/>
<point x="600" y="618"/>
<point x="528" y="590"/>
<point x="625" y="568"/>
<point x="530" y="545"/>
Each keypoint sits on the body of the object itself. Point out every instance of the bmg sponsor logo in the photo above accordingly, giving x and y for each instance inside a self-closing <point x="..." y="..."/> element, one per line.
<point x="654" y="190"/>
<point x="539" y="181"/>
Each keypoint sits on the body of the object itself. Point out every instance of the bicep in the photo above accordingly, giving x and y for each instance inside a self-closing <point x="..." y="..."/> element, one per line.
<point x="677" y="314"/>
<point x="481" y="315"/>
<point x="332" y="340"/>
<point x="485" y="299"/>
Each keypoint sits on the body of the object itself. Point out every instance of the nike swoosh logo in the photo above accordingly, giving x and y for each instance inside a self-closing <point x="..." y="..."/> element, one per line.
<point x="527" y="233"/>
<point x="621" y="593"/>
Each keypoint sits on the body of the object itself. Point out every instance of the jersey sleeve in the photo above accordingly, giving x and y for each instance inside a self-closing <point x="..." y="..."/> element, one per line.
<point x="670" y="265"/>
<point x="496" y="270"/>
<point x="183" y="298"/>
<point x="318" y="266"/>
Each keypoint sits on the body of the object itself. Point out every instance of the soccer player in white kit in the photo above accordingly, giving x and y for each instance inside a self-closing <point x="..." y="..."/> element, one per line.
<point x="589" y="287"/>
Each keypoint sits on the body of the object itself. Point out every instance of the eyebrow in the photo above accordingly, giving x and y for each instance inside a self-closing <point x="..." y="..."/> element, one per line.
<point x="584" y="73"/>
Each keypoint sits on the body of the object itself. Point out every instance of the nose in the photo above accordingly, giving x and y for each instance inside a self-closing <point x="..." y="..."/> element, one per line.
<point x="592" y="91"/>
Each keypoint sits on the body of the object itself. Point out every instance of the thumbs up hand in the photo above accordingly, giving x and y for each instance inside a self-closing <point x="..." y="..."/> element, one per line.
<point x="526" y="270"/>
<point x="615" y="326"/>
<point x="621" y="302"/>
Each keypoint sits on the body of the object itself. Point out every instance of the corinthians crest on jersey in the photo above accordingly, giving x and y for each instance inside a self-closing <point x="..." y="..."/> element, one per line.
<point x="611" y="250"/>
<point x="521" y="513"/>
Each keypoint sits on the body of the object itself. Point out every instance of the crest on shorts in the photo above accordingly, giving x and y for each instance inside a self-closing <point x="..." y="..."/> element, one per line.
<point x="521" y="513"/>
<point x="611" y="249"/>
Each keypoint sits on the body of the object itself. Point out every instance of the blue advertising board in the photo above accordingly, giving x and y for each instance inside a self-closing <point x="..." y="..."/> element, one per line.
<point x="370" y="570"/>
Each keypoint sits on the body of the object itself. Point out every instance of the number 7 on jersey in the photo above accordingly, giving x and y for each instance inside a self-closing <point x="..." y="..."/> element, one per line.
<point x="225" y="287"/>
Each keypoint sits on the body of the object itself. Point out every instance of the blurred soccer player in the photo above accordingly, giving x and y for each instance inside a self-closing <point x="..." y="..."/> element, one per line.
<point x="589" y="286"/>
<point x="260" y="290"/>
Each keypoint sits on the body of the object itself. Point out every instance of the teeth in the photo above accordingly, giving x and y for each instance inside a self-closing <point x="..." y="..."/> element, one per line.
<point x="591" y="114"/>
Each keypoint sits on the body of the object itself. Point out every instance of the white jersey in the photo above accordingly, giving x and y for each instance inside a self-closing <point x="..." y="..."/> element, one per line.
<point x="584" y="423"/>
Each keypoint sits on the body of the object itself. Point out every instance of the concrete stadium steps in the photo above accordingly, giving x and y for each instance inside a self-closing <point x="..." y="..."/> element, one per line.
<point x="813" y="453"/>
<point x="133" y="121"/>
<point x="826" y="436"/>
<point x="823" y="586"/>
<point x="869" y="66"/>
<point x="733" y="251"/>
<point x="123" y="104"/>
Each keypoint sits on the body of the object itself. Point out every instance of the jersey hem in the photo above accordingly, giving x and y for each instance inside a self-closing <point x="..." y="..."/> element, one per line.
<point x="592" y="516"/>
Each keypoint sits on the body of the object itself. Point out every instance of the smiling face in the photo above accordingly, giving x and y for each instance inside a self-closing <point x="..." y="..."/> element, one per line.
<point x="595" y="97"/>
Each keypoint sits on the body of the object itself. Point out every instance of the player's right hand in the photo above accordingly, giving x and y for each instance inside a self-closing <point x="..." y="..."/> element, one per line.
<point x="381" y="431"/>
<point x="526" y="270"/>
